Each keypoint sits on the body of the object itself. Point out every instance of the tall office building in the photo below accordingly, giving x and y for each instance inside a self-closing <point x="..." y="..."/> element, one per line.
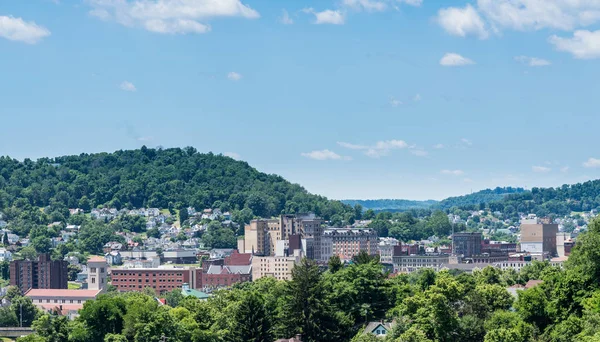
<point x="466" y="244"/>
<point x="41" y="274"/>
<point x="538" y="236"/>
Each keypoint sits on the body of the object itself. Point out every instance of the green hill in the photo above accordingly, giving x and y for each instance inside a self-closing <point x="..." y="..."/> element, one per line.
<point x="163" y="178"/>
<point x="391" y="204"/>
<point x="476" y="198"/>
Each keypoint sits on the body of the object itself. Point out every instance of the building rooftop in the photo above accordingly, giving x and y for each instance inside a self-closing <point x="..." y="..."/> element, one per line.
<point x="216" y="269"/>
<point x="62" y="293"/>
<point x="95" y="258"/>
<point x="195" y="293"/>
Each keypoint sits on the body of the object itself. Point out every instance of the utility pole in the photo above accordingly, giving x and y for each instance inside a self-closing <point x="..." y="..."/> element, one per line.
<point x="21" y="311"/>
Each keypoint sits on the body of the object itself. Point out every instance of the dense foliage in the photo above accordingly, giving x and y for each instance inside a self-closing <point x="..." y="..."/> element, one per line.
<point x="336" y="304"/>
<point x="476" y="198"/>
<point x="553" y="201"/>
<point x="169" y="178"/>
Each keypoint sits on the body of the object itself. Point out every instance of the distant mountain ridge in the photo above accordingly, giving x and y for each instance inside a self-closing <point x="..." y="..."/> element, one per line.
<point x="391" y="204"/>
<point x="483" y="196"/>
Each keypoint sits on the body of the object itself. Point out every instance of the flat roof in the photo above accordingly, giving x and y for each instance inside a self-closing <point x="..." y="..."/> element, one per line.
<point x="62" y="293"/>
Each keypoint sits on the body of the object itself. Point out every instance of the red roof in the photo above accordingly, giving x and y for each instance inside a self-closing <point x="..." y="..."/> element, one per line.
<point x="533" y="283"/>
<point x="62" y="293"/>
<point x="95" y="258"/>
<point x="238" y="259"/>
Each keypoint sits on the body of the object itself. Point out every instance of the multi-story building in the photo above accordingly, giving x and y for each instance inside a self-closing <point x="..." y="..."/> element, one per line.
<point x="257" y="237"/>
<point x="69" y="302"/>
<point x="279" y="267"/>
<point x="496" y="247"/>
<point x="310" y="228"/>
<point x="61" y="301"/>
<point x="385" y="248"/>
<point x="466" y="244"/>
<point x="225" y="276"/>
<point x="97" y="273"/>
<point x="412" y="263"/>
<point x="162" y="279"/>
<point x="538" y="236"/>
<point x="347" y="243"/>
<point x="261" y="236"/>
<point x="41" y="274"/>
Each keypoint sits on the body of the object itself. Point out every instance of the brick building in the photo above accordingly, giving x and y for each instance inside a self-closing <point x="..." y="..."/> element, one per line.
<point x="225" y="276"/>
<point x="347" y="243"/>
<point x="160" y="279"/>
<point x="466" y="244"/>
<point x="41" y="274"/>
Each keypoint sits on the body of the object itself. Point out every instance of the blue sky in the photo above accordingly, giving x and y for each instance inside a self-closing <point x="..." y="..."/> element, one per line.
<point x="352" y="98"/>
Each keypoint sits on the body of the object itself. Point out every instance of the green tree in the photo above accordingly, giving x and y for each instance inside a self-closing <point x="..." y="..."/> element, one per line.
<point x="252" y="321"/>
<point x="29" y="253"/>
<point x="335" y="263"/>
<point x="306" y="299"/>
<point x="52" y="328"/>
<point x="103" y="316"/>
<point x="173" y="297"/>
<point x="24" y="310"/>
<point x="369" y="214"/>
<point x="183" y="215"/>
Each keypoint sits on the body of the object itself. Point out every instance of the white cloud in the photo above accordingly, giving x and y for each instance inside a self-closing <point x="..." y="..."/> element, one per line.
<point x="419" y="153"/>
<point x="127" y="86"/>
<point x="365" y="5"/>
<point x="391" y="144"/>
<point x="352" y="146"/>
<point x="169" y="16"/>
<point x="583" y="45"/>
<point x="179" y="26"/>
<point x="394" y="102"/>
<point x="467" y="180"/>
<point x="454" y="59"/>
<point x="452" y="172"/>
<point x="540" y="169"/>
<point x="532" y="61"/>
<point x="327" y="16"/>
<point x="466" y="141"/>
<point x="285" y="18"/>
<point x="415" y="3"/>
<point x="16" y="29"/>
<point x="525" y="15"/>
<point x="564" y="169"/>
<point x="100" y="13"/>
<point x="592" y="162"/>
<point x="234" y="76"/>
<point x="417" y="98"/>
<point x="439" y="146"/>
<point x="462" y="22"/>
<point x="232" y="155"/>
<point x="324" y="155"/>
<point x="379" y="149"/>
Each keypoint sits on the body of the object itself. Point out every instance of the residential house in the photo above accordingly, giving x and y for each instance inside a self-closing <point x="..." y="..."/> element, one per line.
<point x="379" y="329"/>
<point x="5" y="255"/>
<point x="114" y="258"/>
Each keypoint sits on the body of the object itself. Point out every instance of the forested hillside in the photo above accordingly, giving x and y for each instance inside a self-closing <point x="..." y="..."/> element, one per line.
<point x="391" y="204"/>
<point x="476" y="198"/>
<point x="163" y="178"/>
<point x="552" y="201"/>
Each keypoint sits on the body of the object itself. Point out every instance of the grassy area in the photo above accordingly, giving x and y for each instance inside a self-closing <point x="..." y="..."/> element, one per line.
<point x="74" y="286"/>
